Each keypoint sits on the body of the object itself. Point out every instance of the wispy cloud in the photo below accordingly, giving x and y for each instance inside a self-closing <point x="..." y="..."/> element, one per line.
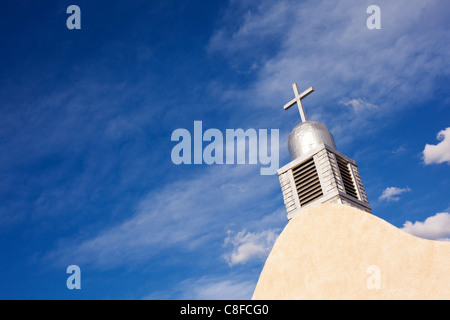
<point x="345" y="60"/>
<point x="436" y="227"/>
<point x="246" y="246"/>
<point x="439" y="153"/>
<point x="392" y="193"/>
<point x="184" y="214"/>
<point x="223" y="287"/>
<point x="232" y="39"/>
<point x="359" y="105"/>
<point x="399" y="150"/>
<point x="69" y="148"/>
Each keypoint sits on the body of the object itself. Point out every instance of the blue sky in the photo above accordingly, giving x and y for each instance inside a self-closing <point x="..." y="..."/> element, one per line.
<point x="87" y="117"/>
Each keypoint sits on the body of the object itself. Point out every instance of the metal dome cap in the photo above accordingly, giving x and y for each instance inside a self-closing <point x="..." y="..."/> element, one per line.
<point x="308" y="135"/>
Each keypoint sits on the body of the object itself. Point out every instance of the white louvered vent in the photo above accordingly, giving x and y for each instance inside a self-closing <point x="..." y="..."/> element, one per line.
<point x="359" y="184"/>
<point x="346" y="176"/>
<point x="307" y="182"/>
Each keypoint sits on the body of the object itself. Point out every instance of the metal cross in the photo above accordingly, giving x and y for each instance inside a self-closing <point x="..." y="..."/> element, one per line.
<point x="298" y="100"/>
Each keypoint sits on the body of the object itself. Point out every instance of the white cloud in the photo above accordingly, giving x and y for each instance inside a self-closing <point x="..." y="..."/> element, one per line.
<point x="436" y="227"/>
<point x="391" y="193"/>
<point x="248" y="246"/>
<point x="359" y="105"/>
<point x="439" y="153"/>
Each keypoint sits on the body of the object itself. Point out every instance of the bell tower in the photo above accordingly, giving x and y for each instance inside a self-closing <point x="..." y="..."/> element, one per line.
<point x="318" y="172"/>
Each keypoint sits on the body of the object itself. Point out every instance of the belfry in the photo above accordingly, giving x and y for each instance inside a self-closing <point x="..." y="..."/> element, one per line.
<point x="318" y="172"/>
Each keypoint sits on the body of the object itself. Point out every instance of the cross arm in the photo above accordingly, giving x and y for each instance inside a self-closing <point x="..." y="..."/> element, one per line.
<point x="290" y="104"/>
<point x="302" y="95"/>
<point x="306" y="93"/>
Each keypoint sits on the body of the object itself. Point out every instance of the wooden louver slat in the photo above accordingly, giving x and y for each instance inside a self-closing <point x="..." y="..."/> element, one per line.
<point x="307" y="182"/>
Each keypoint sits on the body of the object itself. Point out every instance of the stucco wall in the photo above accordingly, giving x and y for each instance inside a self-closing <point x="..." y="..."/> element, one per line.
<point x="334" y="251"/>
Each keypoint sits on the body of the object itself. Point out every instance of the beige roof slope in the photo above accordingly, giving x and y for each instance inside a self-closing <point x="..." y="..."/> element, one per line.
<point x="334" y="251"/>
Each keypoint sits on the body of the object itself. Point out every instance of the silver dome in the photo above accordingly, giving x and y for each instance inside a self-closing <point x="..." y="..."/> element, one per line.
<point x="308" y="135"/>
